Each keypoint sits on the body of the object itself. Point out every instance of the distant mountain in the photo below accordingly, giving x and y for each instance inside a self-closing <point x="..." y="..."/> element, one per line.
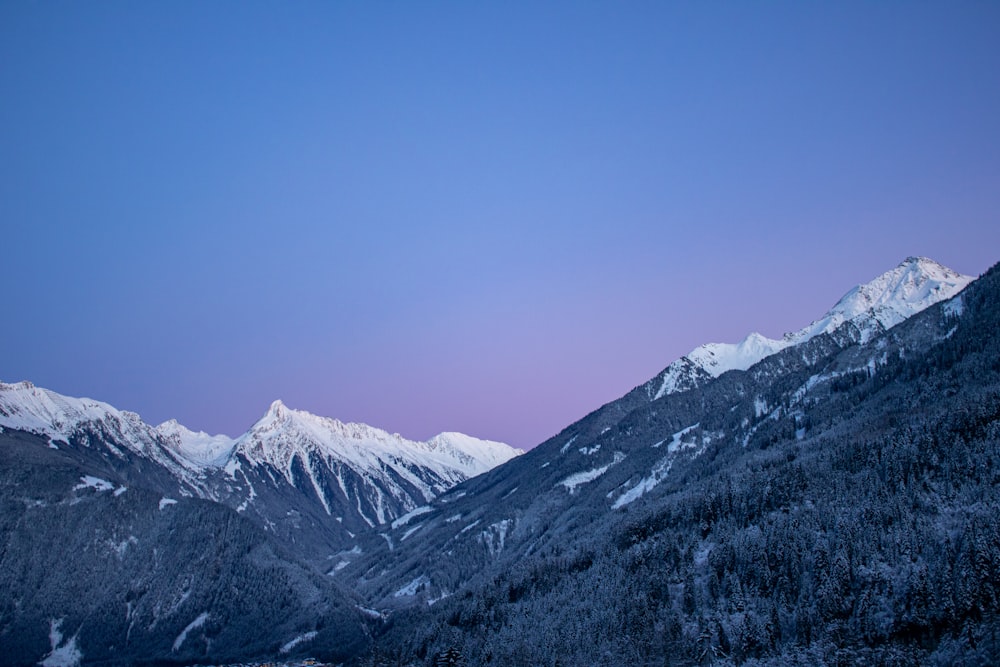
<point x="336" y="478"/>
<point x="829" y="497"/>
<point x="103" y="561"/>
<point x="121" y="543"/>
<point x="318" y="482"/>
<point x="873" y="307"/>
<point x="835" y="501"/>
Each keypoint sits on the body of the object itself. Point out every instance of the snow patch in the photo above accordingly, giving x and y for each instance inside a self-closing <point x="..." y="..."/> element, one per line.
<point x="565" y="448"/>
<point x="657" y="474"/>
<point x="287" y="648"/>
<point x="470" y="526"/>
<point x="88" y="481"/>
<point x="411" y="588"/>
<point x="370" y="613"/>
<point x="388" y="540"/>
<point x="955" y="307"/>
<point x="411" y="531"/>
<point x="677" y="439"/>
<point x="166" y="502"/>
<point x="495" y="536"/>
<point x="193" y="625"/>
<point x="201" y="449"/>
<point x="573" y="482"/>
<point x="61" y="655"/>
<point x="403" y="520"/>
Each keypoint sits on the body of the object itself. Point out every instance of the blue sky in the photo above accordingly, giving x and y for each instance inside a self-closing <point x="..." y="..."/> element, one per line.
<point x="487" y="217"/>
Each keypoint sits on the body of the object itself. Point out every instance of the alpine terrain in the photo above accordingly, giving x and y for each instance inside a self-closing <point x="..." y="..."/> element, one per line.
<point x="125" y="542"/>
<point x="828" y="497"/>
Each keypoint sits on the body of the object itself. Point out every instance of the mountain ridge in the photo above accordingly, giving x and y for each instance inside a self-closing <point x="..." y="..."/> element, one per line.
<point x="881" y="303"/>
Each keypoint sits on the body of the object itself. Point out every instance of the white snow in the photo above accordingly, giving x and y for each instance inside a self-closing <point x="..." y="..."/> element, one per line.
<point x="453" y="519"/>
<point x="166" y="502"/>
<point x="573" y="482"/>
<point x="23" y="406"/>
<point x="193" y="625"/>
<point x="61" y="655"/>
<point x="565" y="447"/>
<point x="370" y="613"/>
<point x="120" y="490"/>
<point x="199" y="447"/>
<point x="373" y="454"/>
<point x="390" y="466"/>
<point x="405" y="519"/>
<point x="411" y="588"/>
<point x="760" y="407"/>
<point x="677" y="439"/>
<point x="411" y="531"/>
<point x="955" y="307"/>
<point x="309" y="636"/>
<point x="470" y="526"/>
<point x="657" y="474"/>
<point x="495" y="536"/>
<point x="94" y="483"/>
<point x="882" y="303"/>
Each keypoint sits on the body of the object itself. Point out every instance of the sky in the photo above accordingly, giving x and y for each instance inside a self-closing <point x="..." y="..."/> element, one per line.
<point x="487" y="217"/>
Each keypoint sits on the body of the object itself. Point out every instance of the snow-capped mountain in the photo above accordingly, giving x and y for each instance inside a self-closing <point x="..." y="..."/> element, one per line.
<point x="283" y="433"/>
<point x="98" y="432"/>
<point x="354" y="470"/>
<point x="199" y="448"/>
<point x="865" y="447"/>
<point x="293" y="472"/>
<point x="878" y="305"/>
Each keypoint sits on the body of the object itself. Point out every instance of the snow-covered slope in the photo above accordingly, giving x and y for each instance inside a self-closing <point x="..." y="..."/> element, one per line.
<point x="293" y="471"/>
<point x="100" y="430"/>
<point x="199" y="448"/>
<point x="917" y="283"/>
<point x="379" y="474"/>
<point x="25" y="407"/>
<point x="282" y="433"/>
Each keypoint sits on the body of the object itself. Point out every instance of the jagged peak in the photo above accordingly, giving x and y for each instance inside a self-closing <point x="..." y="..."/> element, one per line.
<point x="914" y="284"/>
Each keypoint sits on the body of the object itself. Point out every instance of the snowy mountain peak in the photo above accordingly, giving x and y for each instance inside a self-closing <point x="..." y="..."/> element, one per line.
<point x="197" y="447"/>
<point x="277" y="410"/>
<point x="474" y="449"/>
<point x="284" y="432"/>
<point x="24" y="406"/>
<point x="390" y="467"/>
<point x="915" y="284"/>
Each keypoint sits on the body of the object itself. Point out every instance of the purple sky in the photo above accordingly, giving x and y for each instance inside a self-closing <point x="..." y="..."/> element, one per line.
<point x="485" y="217"/>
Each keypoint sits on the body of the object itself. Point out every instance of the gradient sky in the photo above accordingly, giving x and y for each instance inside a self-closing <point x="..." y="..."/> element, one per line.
<point x="474" y="216"/>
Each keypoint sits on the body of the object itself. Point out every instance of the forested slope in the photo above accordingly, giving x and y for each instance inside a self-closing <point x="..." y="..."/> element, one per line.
<point x="858" y="524"/>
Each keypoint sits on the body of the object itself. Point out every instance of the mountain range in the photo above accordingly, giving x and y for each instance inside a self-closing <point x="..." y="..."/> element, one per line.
<point x="775" y="501"/>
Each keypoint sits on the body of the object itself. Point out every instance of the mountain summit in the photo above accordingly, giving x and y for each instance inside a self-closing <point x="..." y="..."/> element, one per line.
<point x="880" y="304"/>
